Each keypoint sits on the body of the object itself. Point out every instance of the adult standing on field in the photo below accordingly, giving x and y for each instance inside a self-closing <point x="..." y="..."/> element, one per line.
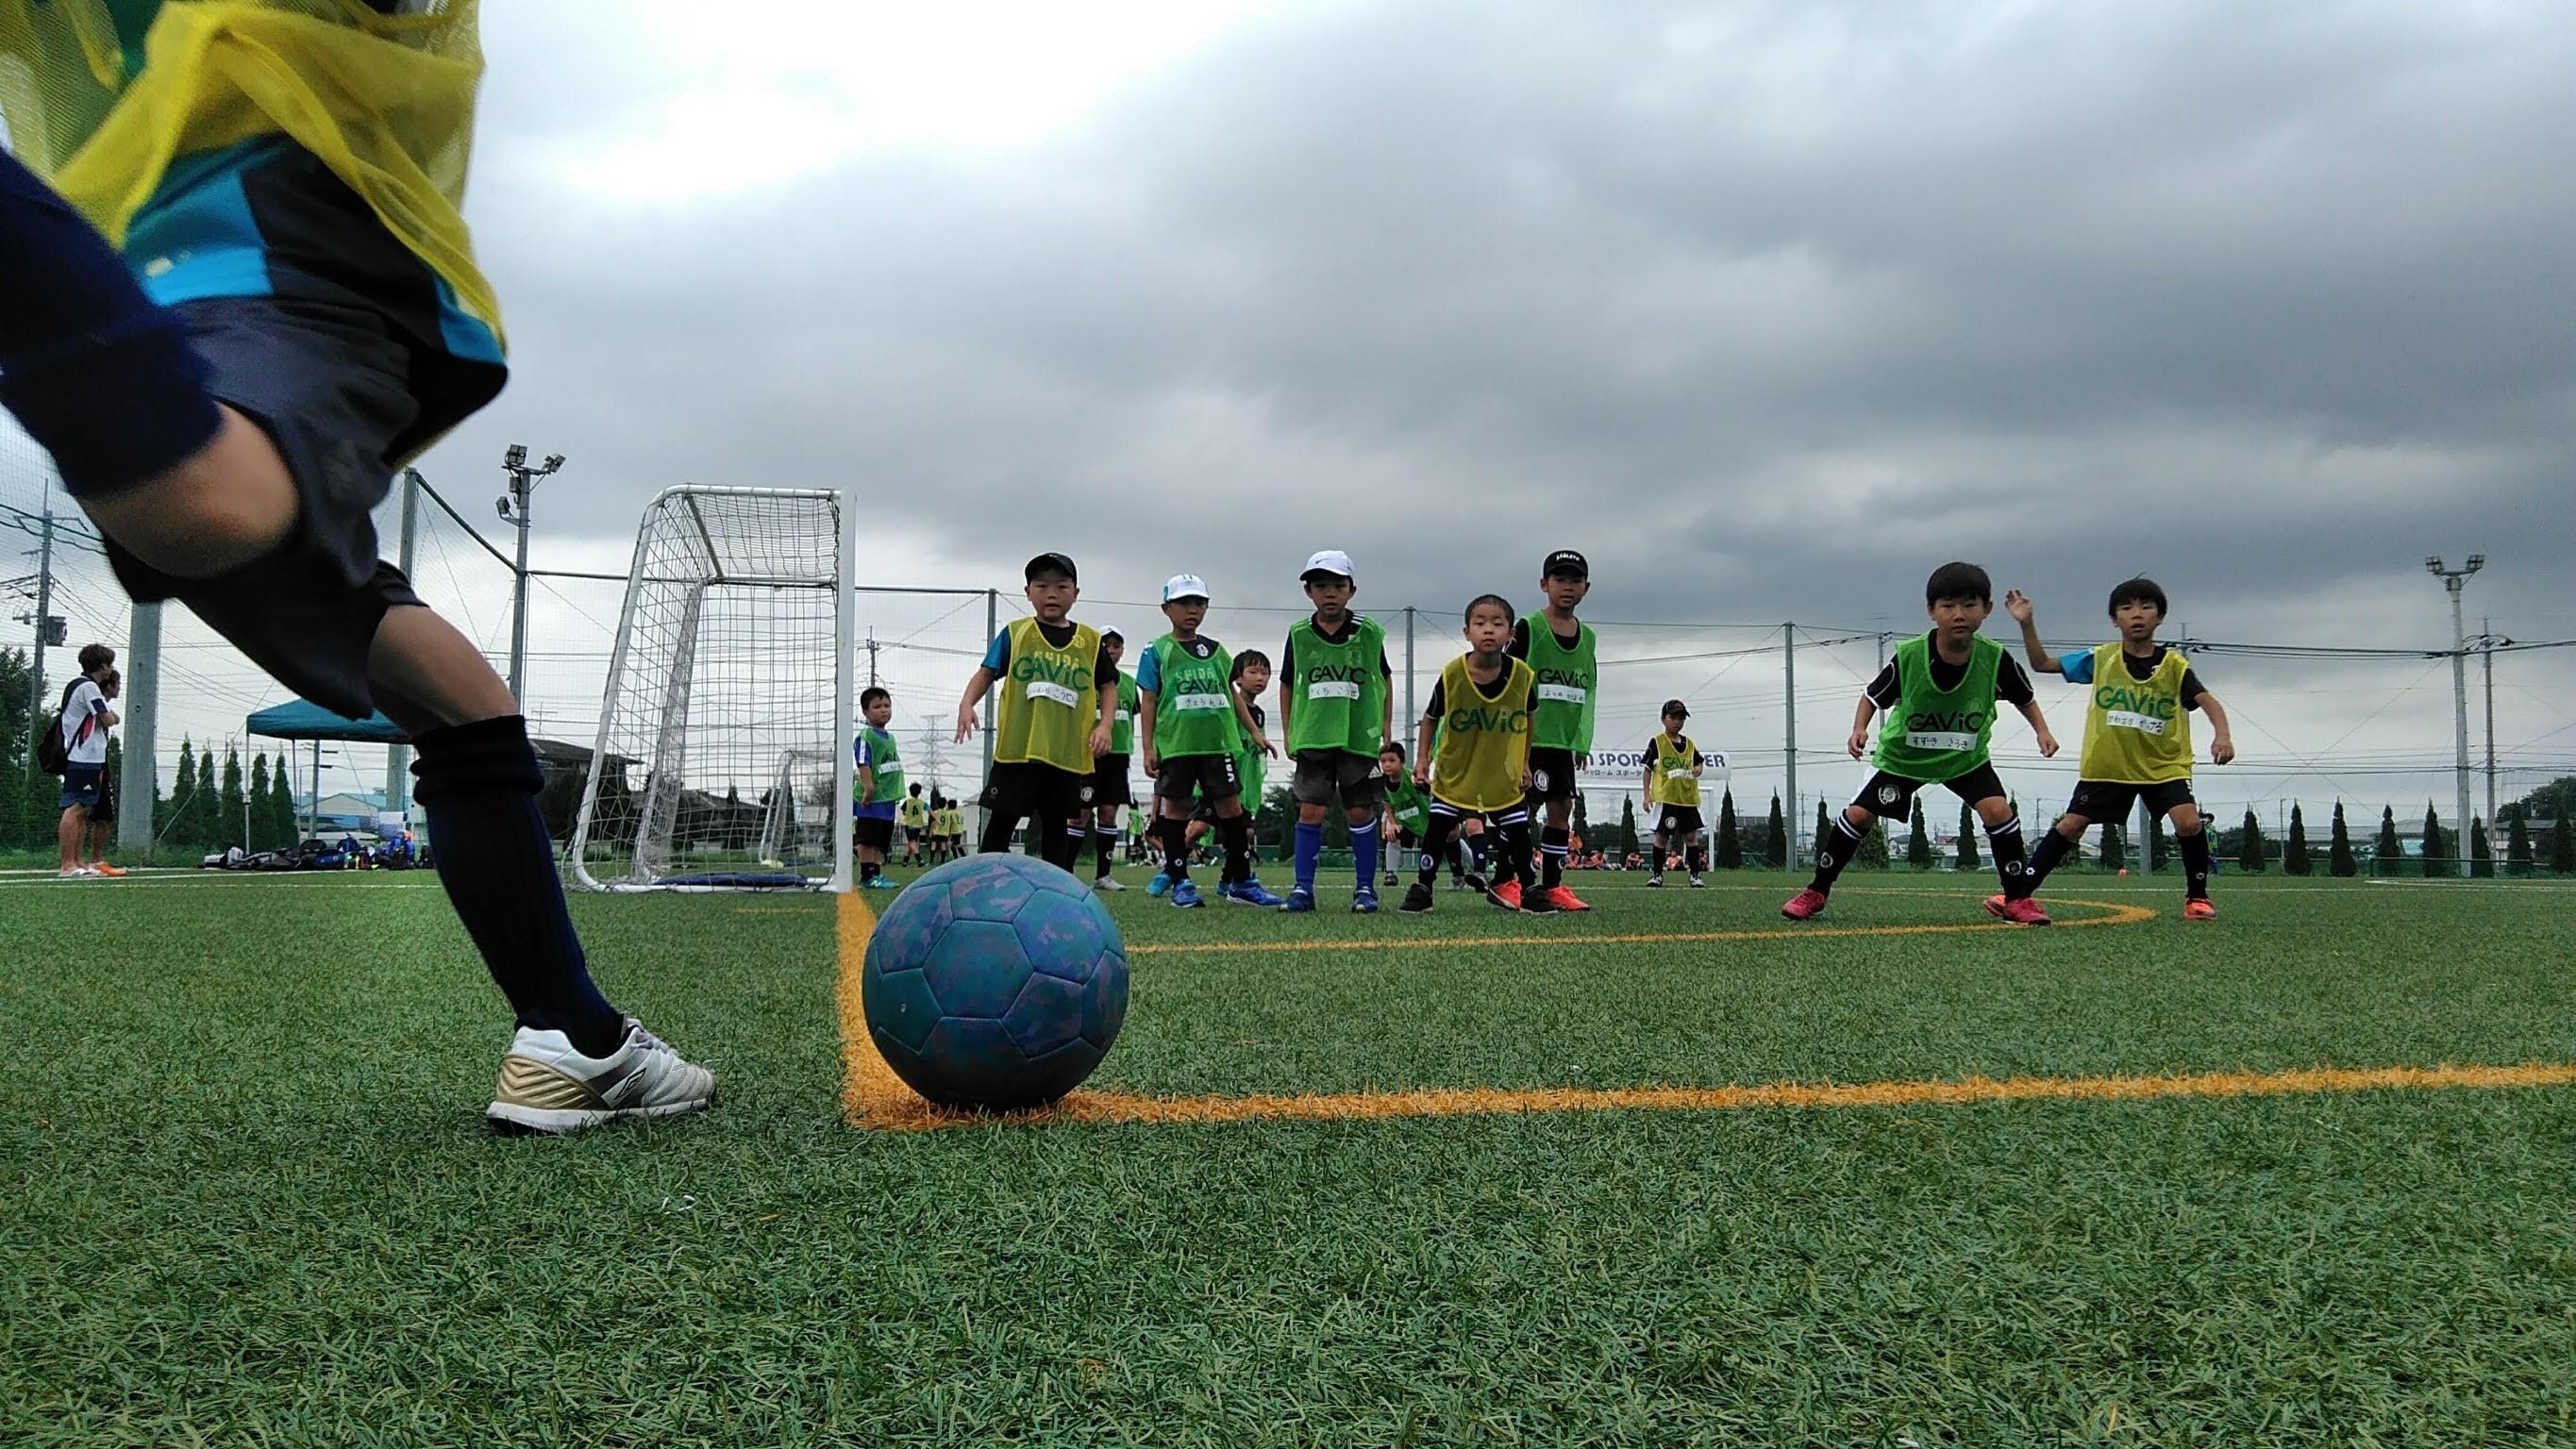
<point x="85" y="722"/>
<point x="102" y="816"/>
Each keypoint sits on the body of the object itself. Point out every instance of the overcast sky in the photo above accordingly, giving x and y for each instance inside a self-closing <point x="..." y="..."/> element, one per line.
<point x="1768" y="308"/>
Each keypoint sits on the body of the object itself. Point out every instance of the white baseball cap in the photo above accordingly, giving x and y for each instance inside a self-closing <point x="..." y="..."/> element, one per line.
<point x="1184" y="586"/>
<point x="1329" y="561"/>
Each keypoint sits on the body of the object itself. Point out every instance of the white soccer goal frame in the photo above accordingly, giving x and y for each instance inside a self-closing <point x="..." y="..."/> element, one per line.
<point x="665" y="773"/>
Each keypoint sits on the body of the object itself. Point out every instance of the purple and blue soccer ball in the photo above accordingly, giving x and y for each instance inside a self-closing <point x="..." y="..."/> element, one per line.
<point x="995" y="982"/>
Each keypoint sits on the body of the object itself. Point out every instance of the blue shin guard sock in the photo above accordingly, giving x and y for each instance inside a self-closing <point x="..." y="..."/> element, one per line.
<point x="96" y="373"/>
<point x="1364" y="844"/>
<point x="478" y="784"/>
<point x="1310" y="849"/>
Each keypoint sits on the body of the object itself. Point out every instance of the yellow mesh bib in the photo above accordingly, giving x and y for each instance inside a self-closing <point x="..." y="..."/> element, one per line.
<point x="385" y="101"/>
<point x="1484" y="743"/>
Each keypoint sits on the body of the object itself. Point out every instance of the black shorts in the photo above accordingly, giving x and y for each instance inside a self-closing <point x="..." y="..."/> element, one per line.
<point x="2101" y="800"/>
<point x="1673" y="820"/>
<point x="875" y="832"/>
<point x="1323" y="774"/>
<point x="1204" y="778"/>
<point x="1029" y="789"/>
<point x="1405" y="839"/>
<point x="1551" y="774"/>
<point x="1890" y="796"/>
<point x="1109" y="784"/>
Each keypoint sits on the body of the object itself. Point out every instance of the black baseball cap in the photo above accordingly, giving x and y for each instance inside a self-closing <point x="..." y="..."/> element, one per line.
<point x="1565" y="561"/>
<point x="1675" y="706"/>
<point x="1050" y="563"/>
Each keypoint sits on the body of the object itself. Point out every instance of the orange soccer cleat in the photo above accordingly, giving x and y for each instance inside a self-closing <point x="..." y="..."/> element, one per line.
<point x="103" y="868"/>
<point x="2198" y="908"/>
<point x="1564" y="899"/>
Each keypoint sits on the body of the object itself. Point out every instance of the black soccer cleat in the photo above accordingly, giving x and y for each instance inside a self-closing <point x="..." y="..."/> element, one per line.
<point x="1417" y="899"/>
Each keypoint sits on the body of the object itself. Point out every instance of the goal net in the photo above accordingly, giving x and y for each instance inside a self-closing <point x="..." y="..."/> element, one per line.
<point x="723" y="760"/>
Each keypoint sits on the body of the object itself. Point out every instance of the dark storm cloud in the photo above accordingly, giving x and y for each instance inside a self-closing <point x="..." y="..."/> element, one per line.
<point x="1770" y="307"/>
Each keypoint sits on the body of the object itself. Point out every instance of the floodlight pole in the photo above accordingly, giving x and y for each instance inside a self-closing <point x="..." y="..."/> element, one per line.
<point x="1410" y="712"/>
<point x="2486" y="665"/>
<point x="514" y="511"/>
<point x="2452" y="580"/>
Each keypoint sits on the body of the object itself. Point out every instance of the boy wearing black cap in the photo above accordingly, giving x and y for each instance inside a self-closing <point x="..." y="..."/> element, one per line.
<point x="1673" y="767"/>
<point x="1057" y="714"/>
<point x="1336" y="708"/>
<point x="1561" y="650"/>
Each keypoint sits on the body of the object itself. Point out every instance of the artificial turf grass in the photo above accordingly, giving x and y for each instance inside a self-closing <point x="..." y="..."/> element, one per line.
<point x="313" y="1244"/>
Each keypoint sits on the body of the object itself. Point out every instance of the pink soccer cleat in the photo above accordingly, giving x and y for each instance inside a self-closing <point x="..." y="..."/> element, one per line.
<point x="2023" y="912"/>
<point x="1806" y="905"/>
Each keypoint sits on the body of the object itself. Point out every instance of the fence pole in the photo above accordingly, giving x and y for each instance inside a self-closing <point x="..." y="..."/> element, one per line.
<point x="398" y="757"/>
<point x="138" y="783"/>
<point x="1789" y="732"/>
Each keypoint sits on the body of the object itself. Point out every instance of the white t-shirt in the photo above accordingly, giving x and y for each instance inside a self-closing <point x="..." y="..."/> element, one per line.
<point x="85" y="724"/>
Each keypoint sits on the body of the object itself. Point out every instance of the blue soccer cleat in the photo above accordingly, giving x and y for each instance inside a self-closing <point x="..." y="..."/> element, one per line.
<point x="1300" y="902"/>
<point x="1161" y="882"/>
<point x="1185" y="894"/>
<point x="1249" y="893"/>
<point x="1364" y="901"/>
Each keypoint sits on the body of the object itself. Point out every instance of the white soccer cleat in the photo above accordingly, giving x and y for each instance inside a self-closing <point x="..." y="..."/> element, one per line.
<point x="546" y="1086"/>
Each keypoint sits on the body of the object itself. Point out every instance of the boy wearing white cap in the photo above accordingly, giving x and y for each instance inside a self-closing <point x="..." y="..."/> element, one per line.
<point x="1191" y="724"/>
<point x="1336" y="709"/>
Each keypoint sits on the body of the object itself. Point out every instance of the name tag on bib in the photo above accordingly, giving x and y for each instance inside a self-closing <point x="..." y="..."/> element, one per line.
<point x="1199" y="701"/>
<point x="1677" y="772"/>
<point x="1940" y="740"/>
<point x="2121" y="719"/>
<point x="1125" y="715"/>
<point x="1562" y="693"/>
<point x="1333" y="689"/>
<point x="1053" y="693"/>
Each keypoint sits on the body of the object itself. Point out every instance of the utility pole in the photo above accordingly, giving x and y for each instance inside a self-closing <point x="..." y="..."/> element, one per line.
<point x="514" y="511"/>
<point x="2452" y="580"/>
<point x="2487" y="642"/>
<point x="398" y="757"/>
<point x="872" y="656"/>
<point x="137" y="782"/>
<point x="1789" y="731"/>
<point x="44" y="622"/>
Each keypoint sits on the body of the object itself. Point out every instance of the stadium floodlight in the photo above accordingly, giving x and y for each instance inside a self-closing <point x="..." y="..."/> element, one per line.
<point x="2452" y="579"/>
<point x="723" y="755"/>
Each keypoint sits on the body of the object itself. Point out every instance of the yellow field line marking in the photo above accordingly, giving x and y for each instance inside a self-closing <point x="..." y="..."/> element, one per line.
<point x="2119" y="915"/>
<point x="873" y="1097"/>
<point x="900" y="1110"/>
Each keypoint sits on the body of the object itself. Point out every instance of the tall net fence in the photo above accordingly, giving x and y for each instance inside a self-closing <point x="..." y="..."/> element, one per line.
<point x="2370" y="729"/>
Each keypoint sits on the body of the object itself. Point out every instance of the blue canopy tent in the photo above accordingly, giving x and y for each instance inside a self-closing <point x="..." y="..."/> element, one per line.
<point x="302" y="719"/>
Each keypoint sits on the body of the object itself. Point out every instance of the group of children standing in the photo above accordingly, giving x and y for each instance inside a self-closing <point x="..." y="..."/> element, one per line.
<point x="1496" y="755"/>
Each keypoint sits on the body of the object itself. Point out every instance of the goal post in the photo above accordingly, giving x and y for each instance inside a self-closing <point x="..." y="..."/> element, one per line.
<point x="723" y="755"/>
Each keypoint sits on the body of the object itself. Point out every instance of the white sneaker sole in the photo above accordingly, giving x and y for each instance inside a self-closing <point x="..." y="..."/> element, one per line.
<point x="557" y="1122"/>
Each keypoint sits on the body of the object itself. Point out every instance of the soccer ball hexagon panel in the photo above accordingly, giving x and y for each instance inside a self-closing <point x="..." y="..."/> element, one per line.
<point x="994" y="982"/>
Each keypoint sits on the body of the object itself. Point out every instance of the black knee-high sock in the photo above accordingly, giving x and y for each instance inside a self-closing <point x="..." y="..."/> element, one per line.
<point x="1176" y="847"/>
<point x="1695" y="857"/>
<point x="1058" y="846"/>
<point x="2054" y="847"/>
<point x="1655" y="863"/>
<point x="1834" y="852"/>
<point x="2195" y="863"/>
<point x="1512" y="849"/>
<point x="1553" y="843"/>
<point x="1234" y="834"/>
<point x="478" y="785"/>
<point x="1437" y="847"/>
<point x="1105" y="841"/>
<point x="2012" y="864"/>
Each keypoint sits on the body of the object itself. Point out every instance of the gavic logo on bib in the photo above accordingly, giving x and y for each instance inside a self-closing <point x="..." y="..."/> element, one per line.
<point x="1572" y="679"/>
<point x="2120" y="699"/>
<point x="1064" y="674"/>
<point x="1332" y="681"/>
<point x="1497" y="721"/>
<point x="1951" y="721"/>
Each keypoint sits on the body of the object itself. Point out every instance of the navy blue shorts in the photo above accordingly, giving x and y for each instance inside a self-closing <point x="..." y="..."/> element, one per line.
<point x="81" y="785"/>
